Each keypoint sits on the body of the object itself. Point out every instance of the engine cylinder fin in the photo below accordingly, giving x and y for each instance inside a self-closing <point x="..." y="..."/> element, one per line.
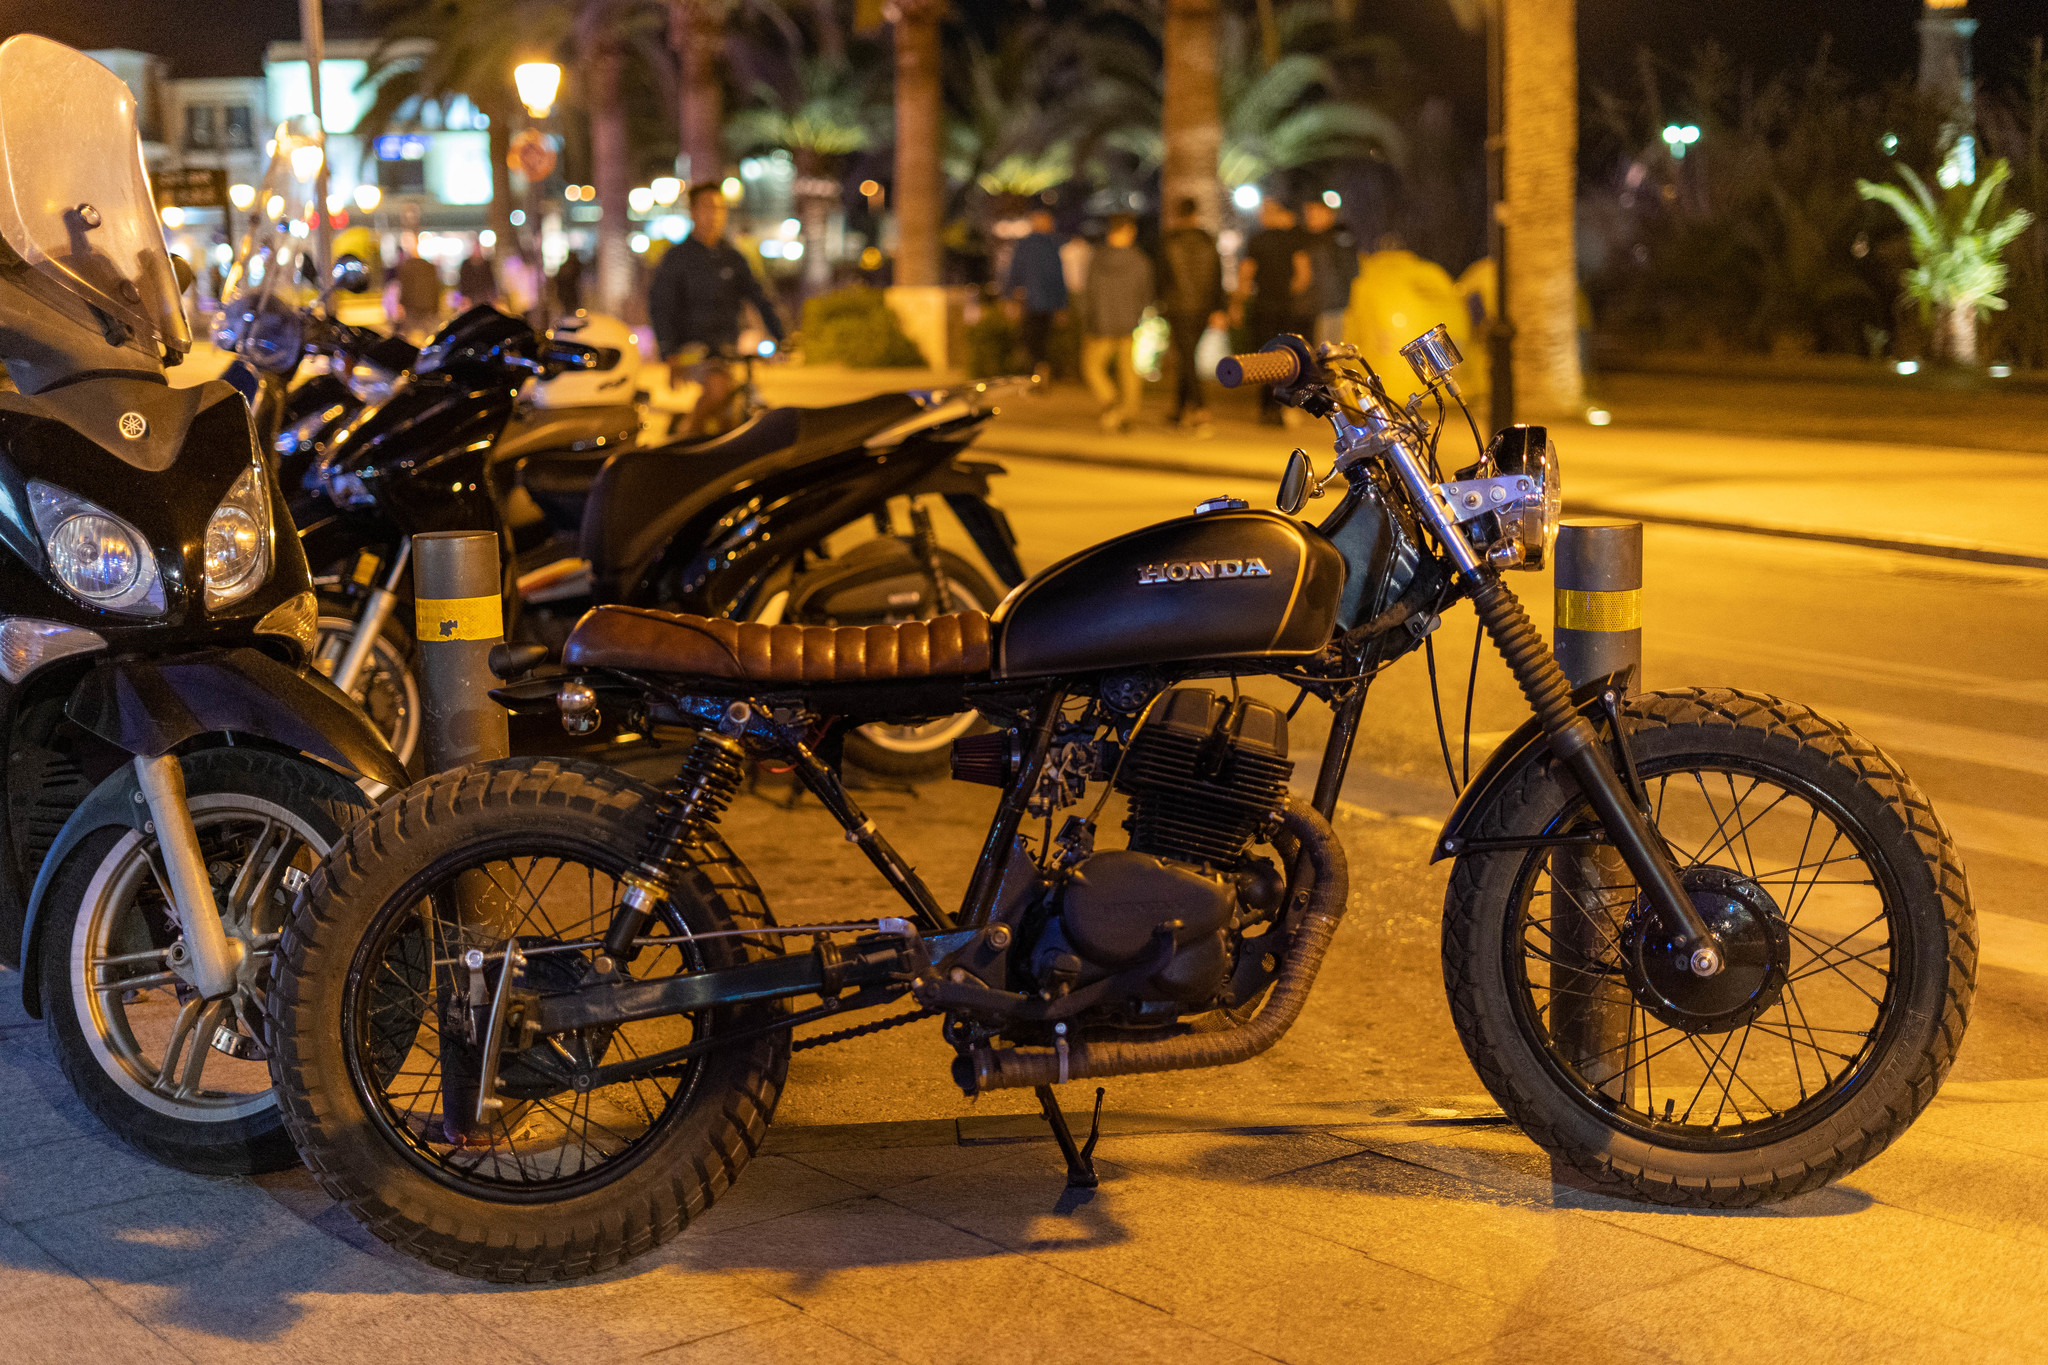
<point x="1203" y="774"/>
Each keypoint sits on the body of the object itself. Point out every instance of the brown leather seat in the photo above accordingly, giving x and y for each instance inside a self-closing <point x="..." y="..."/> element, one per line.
<point x="638" y="640"/>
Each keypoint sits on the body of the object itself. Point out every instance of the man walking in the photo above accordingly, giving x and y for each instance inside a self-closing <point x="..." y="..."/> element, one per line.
<point x="694" y="303"/>
<point x="1039" y="286"/>
<point x="1191" y="296"/>
<point x="1333" y="254"/>
<point x="569" y="285"/>
<point x="1119" y="290"/>
<point x="1275" y="287"/>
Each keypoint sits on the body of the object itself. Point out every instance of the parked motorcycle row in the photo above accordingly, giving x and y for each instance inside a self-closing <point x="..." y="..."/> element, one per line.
<point x="533" y="1015"/>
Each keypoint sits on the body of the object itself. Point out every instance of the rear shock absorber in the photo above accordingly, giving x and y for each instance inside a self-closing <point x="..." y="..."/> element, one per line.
<point x="710" y="775"/>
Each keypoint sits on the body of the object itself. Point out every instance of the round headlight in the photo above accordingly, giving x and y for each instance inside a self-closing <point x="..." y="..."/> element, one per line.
<point x="95" y="557"/>
<point x="1553" y="498"/>
<point x="234" y="547"/>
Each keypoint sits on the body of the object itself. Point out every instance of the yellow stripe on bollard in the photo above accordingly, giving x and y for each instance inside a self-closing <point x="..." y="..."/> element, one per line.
<point x="1606" y="611"/>
<point x="458" y="618"/>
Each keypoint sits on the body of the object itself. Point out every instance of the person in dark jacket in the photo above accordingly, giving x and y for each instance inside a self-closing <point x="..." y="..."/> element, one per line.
<point x="1276" y="289"/>
<point x="569" y="285"/>
<point x="1039" y="285"/>
<point x="1118" y="292"/>
<point x="695" y="301"/>
<point x="475" y="280"/>
<point x="1191" y="297"/>
<point x="1333" y="257"/>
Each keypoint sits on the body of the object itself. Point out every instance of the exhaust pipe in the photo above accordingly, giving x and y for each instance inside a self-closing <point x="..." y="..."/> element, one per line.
<point x="1012" y="1068"/>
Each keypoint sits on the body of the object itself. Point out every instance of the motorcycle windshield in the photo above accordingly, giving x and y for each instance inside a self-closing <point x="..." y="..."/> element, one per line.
<point x="75" y="205"/>
<point x="267" y="278"/>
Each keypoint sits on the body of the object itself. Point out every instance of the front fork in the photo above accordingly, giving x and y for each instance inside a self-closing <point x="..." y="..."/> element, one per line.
<point x="1571" y="735"/>
<point x="370" y="625"/>
<point x="213" y="958"/>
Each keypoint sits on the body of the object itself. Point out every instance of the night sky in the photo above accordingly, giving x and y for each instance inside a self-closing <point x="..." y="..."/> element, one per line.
<point x="1873" y="39"/>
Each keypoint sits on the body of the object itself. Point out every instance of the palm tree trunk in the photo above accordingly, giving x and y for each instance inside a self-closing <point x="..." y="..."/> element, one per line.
<point x="920" y="133"/>
<point x="611" y="163"/>
<point x="1192" y="125"/>
<point x="696" y="30"/>
<point x="1962" y="333"/>
<point x="502" y="201"/>
<point x="1542" y="134"/>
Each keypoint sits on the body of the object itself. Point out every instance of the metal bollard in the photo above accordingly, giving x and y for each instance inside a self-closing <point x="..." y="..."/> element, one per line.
<point x="1599" y="597"/>
<point x="459" y="614"/>
<point x="1599" y="630"/>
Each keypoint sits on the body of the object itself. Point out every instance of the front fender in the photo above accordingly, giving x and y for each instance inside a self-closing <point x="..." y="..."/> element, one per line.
<point x="151" y="706"/>
<point x="1525" y="747"/>
<point x="117" y="802"/>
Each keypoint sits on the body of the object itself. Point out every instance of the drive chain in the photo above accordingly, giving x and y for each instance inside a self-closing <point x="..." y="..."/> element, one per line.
<point x="862" y="1030"/>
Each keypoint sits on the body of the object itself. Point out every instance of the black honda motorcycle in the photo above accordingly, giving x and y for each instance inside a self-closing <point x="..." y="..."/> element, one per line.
<point x="173" y="770"/>
<point x="1706" y="946"/>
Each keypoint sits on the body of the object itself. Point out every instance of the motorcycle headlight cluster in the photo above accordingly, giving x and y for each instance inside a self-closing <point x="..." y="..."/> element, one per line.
<point x="99" y="558"/>
<point x="26" y="644"/>
<point x="369" y="382"/>
<point x="238" y="541"/>
<point x="1533" y="526"/>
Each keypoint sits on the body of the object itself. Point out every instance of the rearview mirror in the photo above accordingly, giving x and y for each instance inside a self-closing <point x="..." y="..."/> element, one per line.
<point x="1297" y="484"/>
<point x="182" y="268"/>
<point x="351" y="276"/>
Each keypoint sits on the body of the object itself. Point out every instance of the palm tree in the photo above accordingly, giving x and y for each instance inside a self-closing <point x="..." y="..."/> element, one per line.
<point x="1190" y="124"/>
<point x="458" y="49"/>
<point x="1957" y="269"/>
<point x="822" y="112"/>
<point x="696" y="32"/>
<point x="1281" y="117"/>
<point x="1541" y="127"/>
<point x="920" y="139"/>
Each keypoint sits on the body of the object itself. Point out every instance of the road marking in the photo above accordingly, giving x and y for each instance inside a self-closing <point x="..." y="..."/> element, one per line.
<point x="1979" y="829"/>
<point x="1853" y="667"/>
<point x="1988" y="747"/>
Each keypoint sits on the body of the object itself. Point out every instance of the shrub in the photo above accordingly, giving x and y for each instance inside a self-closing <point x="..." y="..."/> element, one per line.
<point x="993" y="347"/>
<point x="854" y="327"/>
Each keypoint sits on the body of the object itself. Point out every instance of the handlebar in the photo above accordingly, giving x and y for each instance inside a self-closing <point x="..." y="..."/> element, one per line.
<point x="1258" y="367"/>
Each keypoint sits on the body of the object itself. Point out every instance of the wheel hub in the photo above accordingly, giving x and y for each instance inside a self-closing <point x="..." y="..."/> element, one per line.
<point x="1756" y="948"/>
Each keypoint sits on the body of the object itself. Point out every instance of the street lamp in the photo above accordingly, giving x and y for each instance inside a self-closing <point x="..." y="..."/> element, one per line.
<point x="368" y="197"/>
<point x="241" y="196"/>
<point x="1679" y="136"/>
<point x="666" y="189"/>
<point x="537" y="83"/>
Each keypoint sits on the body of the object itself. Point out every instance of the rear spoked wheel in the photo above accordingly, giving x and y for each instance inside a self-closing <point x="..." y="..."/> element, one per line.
<point x="379" y="1046"/>
<point x="1851" y="950"/>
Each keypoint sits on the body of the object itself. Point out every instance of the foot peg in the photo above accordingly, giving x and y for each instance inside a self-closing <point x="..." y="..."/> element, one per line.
<point x="1080" y="1160"/>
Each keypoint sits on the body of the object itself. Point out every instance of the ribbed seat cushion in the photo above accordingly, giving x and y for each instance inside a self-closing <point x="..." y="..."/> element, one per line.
<point x="638" y="640"/>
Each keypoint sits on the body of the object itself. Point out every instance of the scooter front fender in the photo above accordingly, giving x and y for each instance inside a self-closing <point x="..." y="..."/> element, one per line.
<point x="116" y="802"/>
<point x="150" y="707"/>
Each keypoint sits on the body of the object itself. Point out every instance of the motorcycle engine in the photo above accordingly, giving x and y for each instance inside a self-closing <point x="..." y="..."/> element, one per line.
<point x="1203" y="774"/>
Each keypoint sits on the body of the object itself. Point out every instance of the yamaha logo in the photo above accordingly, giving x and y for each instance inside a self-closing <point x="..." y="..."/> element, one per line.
<point x="1189" y="570"/>
<point x="133" y="427"/>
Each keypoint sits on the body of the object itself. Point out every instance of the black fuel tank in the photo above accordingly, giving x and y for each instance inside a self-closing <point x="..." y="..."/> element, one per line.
<point x="1228" y="585"/>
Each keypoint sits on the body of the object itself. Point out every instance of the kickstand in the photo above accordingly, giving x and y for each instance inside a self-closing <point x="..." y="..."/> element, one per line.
<point x="1080" y="1160"/>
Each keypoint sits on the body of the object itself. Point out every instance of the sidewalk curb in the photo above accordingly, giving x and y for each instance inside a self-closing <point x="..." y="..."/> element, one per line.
<point x="1206" y="469"/>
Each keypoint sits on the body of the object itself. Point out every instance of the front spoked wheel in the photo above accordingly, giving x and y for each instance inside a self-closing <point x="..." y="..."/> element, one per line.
<point x="1851" y="947"/>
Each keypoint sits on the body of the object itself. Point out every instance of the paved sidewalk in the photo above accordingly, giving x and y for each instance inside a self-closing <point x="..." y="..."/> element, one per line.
<point x="1348" y="1197"/>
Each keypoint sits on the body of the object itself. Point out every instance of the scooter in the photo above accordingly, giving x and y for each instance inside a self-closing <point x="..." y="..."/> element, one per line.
<point x="173" y="767"/>
<point x="749" y="524"/>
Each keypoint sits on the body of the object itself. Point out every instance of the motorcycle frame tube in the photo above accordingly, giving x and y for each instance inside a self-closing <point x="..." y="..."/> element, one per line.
<point x="215" y="957"/>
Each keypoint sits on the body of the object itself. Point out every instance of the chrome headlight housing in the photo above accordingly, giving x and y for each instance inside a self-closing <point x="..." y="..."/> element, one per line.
<point x="238" y="541"/>
<point x="99" y="558"/>
<point x="1531" y="528"/>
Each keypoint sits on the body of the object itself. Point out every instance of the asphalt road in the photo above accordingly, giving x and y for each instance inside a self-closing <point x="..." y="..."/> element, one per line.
<point x="1942" y="663"/>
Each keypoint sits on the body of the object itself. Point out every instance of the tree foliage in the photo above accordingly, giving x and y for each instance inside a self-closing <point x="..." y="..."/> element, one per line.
<point x="1957" y="253"/>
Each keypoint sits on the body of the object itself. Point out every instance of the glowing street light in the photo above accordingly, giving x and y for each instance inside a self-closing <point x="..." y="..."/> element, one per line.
<point x="1246" y="197"/>
<point x="1333" y="199"/>
<point x="368" y="197"/>
<point x="173" y="216"/>
<point x="1679" y="136"/>
<point x="307" y="159"/>
<point x="640" y="199"/>
<point x="537" y="83"/>
<point x="666" y="189"/>
<point x="732" y="187"/>
<point x="241" y="196"/>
